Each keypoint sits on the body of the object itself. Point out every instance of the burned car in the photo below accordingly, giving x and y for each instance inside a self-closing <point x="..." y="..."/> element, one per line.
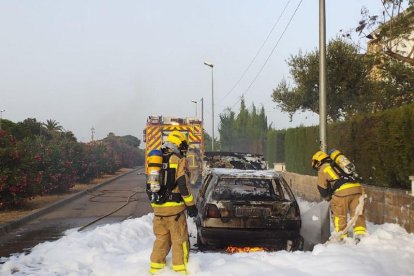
<point x="247" y="208"/>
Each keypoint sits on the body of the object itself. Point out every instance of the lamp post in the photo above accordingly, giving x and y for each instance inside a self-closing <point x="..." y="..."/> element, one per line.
<point x="195" y="108"/>
<point x="325" y="229"/>
<point x="322" y="77"/>
<point x="202" y="111"/>
<point x="1" y="116"/>
<point x="211" y="65"/>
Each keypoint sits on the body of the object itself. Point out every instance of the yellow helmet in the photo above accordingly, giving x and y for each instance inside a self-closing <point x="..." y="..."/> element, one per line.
<point x="178" y="138"/>
<point x="317" y="158"/>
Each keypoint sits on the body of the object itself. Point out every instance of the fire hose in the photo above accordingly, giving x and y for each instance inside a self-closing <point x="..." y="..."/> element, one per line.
<point x="110" y="213"/>
<point x="336" y="236"/>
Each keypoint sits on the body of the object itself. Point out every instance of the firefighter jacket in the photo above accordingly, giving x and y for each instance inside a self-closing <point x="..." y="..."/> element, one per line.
<point x="181" y="193"/>
<point x="330" y="183"/>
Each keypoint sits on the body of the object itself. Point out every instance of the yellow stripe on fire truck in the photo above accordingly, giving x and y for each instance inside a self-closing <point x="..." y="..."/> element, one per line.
<point x="179" y="128"/>
<point x="197" y="130"/>
<point x="154" y="138"/>
<point x="193" y="138"/>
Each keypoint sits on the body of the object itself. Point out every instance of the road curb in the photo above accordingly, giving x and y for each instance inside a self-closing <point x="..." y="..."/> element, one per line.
<point x="8" y="227"/>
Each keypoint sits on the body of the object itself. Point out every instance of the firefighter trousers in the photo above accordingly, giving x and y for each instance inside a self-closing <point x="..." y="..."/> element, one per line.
<point x="170" y="233"/>
<point x="341" y="206"/>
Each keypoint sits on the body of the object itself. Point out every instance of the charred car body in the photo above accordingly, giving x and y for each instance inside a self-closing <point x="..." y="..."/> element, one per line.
<point x="247" y="208"/>
<point x="234" y="160"/>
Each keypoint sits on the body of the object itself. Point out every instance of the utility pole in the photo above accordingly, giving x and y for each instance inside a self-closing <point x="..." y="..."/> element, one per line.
<point x="211" y="65"/>
<point x="202" y="110"/>
<point x="325" y="221"/>
<point x="92" y="133"/>
<point x="195" y="102"/>
<point x="322" y="76"/>
<point x="212" y="107"/>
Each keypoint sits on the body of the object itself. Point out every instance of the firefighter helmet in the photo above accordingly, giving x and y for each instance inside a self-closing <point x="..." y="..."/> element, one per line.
<point x="179" y="139"/>
<point x="317" y="159"/>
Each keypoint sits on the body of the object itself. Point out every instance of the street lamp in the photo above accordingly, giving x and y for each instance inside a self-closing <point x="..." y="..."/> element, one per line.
<point x="202" y="111"/>
<point x="195" y="107"/>
<point x="211" y="65"/>
<point x="322" y="77"/>
<point x="325" y="229"/>
<point x="1" y="116"/>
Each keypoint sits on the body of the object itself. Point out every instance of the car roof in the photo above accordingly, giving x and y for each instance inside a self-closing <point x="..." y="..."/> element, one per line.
<point x="234" y="160"/>
<point x="235" y="173"/>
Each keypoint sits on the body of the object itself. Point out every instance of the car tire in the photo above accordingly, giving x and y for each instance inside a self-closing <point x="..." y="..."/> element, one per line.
<point x="295" y="245"/>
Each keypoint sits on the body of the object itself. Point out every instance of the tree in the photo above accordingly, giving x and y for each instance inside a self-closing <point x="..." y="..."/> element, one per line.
<point x="227" y="130"/>
<point x="124" y="149"/>
<point x="53" y="126"/>
<point x="68" y="136"/>
<point x="395" y="87"/>
<point x="391" y="31"/>
<point x="245" y="132"/>
<point x="348" y="82"/>
<point x="207" y="142"/>
<point x="131" y="140"/>
<point x="242" y="118"/>
<point x="29" y="128"/>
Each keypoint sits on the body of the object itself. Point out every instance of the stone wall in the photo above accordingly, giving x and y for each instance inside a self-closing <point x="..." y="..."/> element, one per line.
<point x="382" y="205"/>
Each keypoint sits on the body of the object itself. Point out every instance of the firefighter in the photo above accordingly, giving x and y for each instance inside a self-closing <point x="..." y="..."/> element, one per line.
<point x="343" y="195"/>
<point x="170" y="224"/>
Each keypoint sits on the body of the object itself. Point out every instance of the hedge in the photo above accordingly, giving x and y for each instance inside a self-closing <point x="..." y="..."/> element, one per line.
<point x="381" y="145"/>
<point x="275" y="146"/>
<point x="38" y="165"/>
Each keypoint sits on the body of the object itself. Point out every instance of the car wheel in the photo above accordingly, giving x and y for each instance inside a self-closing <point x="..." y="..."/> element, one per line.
<point x="295" y="245"/>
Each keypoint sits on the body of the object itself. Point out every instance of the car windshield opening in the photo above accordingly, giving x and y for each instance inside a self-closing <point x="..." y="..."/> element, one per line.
<point x="244" y="189"/>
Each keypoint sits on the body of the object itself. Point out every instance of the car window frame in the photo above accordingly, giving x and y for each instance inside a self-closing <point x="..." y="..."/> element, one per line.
<point x="212" y="183"/>
<point x="285" y="187"/>
<point x="279" y="188"/>
<point x="204" y="186"/>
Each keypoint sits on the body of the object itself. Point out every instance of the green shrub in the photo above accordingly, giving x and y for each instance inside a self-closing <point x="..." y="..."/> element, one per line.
<point x="19" y="178"/>
<point x="381" y="145"/>
<point x="275" y="146"/>
<point x="36" y="161"/>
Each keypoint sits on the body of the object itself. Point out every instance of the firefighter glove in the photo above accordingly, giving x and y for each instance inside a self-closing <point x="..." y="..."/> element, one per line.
<point x="192" y="211"/>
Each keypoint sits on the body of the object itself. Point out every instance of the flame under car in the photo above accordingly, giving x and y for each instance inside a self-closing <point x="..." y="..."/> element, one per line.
<point x="247" y="208"/>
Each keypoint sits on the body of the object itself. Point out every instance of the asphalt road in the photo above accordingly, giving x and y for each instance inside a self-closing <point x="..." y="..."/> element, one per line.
<point x="80" y="212"/>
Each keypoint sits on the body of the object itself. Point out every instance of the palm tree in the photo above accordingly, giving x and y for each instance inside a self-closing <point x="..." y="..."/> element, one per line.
<point x="53" y="126"/>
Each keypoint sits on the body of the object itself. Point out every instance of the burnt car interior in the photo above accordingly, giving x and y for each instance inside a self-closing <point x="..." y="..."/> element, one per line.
<point x="246" y="189"/>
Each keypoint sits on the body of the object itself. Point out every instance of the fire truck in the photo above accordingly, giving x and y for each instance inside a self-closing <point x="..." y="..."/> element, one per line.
<point x="157" y="130"/>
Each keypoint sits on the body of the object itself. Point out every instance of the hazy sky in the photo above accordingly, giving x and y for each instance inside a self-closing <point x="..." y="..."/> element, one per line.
<point x="110" y="64"/>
